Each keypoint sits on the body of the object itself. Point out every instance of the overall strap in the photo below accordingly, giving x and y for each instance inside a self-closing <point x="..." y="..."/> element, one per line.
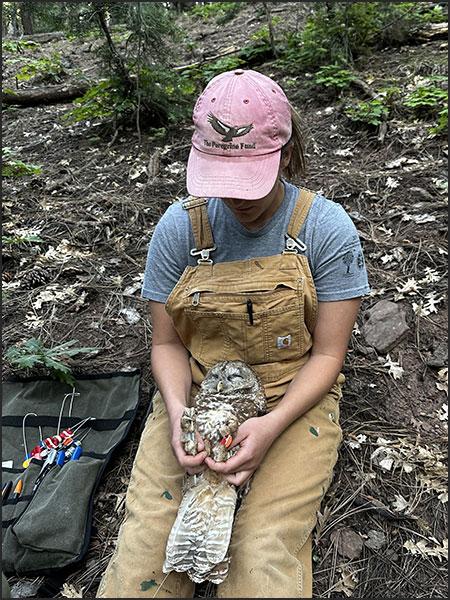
<point x="201" y="228"/>
<point x="298" y="217"/>
<point x="300" y="212"/>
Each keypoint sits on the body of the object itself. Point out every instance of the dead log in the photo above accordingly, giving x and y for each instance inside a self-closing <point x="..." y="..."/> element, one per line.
<point x="49" y="95"/>
<point x="42" y="38"/>
<point x="434" y="31"/>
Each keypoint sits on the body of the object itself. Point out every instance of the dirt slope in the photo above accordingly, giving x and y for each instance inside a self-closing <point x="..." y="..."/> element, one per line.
<point x="95" y="205"/>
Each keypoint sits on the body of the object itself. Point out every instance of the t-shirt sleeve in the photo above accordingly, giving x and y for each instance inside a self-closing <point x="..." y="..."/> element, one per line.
<point x="166" y="256"/>
<point x="338" y="266"/>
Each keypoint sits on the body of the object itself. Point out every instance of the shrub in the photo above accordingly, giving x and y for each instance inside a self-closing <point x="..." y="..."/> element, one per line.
<point x="222" y="12"/>
<point x="18" y="45"/>
<point x="339" y="32"/>
<point x="334" y="75"/>
<point x="370" y="113"/>
<point x="33" y="353"/>
<point x="426" y="100"/>
<point x="14" y="167"/>
<point x="49" y="69"/>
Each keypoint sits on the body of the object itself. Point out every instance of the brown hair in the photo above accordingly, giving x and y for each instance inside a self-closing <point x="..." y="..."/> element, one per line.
<point x="297" y="164"/>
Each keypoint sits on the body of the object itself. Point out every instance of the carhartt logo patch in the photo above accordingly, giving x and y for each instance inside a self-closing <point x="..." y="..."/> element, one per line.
<point x="283" y="342"/>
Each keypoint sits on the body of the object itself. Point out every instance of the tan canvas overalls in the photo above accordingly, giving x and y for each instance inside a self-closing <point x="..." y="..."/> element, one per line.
<point x="261" y="311"/>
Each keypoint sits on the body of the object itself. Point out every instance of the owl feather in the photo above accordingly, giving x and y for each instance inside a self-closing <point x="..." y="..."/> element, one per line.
<point x="198" y="542"/>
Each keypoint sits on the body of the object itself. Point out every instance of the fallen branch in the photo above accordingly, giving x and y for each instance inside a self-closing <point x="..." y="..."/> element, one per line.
<point x="434" y="31"/>
<point x="48" y="95"/>
<point x="206" y="59"/>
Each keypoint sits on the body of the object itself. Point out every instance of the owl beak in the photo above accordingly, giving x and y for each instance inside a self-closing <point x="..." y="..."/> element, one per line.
<point x="219" y="386"/>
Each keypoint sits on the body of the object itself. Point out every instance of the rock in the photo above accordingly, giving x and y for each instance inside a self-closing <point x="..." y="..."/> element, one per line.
<point x="439" y="358"/>
<point x="376" y="539"/>
<point x="349" y="543"/>
<point x="131" y="315"/>
<point x="385" y="327"/>
<point x="391" y="555"/>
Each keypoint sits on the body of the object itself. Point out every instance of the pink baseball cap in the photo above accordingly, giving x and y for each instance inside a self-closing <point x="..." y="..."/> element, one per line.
<point x="242" y="120"/>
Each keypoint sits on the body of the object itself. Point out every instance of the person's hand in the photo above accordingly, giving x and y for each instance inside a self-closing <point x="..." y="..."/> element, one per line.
<point x="192" y="464"/>
<point x="255" y="438"/>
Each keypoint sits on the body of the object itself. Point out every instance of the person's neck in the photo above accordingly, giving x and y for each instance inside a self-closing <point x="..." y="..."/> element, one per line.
<point x="278" y="197"/>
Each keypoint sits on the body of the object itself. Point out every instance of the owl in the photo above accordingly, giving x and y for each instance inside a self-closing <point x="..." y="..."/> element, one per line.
<point x="198" y="544"/>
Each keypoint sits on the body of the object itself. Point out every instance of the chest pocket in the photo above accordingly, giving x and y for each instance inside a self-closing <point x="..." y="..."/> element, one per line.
<point x="259" y="325"/>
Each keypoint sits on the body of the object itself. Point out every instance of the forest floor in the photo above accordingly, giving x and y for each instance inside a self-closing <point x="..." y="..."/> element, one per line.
<point x="383" y="524"/>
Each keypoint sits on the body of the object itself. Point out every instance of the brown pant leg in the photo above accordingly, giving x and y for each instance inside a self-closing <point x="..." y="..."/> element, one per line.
<point x="153" y="497"/>
<point x="270" y="547"/>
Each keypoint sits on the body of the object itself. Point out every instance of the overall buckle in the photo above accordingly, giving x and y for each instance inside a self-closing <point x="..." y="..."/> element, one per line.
<point x="204" y="254"/>
<point x="294" y="244"/>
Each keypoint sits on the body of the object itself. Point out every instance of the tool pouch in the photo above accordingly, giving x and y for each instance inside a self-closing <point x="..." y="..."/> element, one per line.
<point x="51" y="528"/>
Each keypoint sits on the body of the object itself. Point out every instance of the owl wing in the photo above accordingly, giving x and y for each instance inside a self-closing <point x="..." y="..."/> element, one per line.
<point x="210" y="558"/>
<point x="179" y="550"/>
<point x="219" y="533"/>
<point x="201" y="533"/>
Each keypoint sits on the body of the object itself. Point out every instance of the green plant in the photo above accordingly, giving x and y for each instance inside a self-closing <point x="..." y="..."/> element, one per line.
<point x="262" y="36"/>
<point x="33" y="353"/>
<point x="442" y="125"/>
<point x="227" y="63"/>
<point x="426" y="100"/>
<point x="371" y="113"/>
<point x="421" y="12"/>
<point x="222" y="12"/>
<point x="255" y="52"/>
<point x="20" y="239"/>
<point x="229" y="11"/>
<point x="335" y="33"/>
<point x="101" y="100"/>
<point x="390" y="93"/>
<point x="138" y="81"/>
<point x="18" y="45"/>
<point x="14" y="167"/>
<point x="334" y="75"/>
<point x="339" y="32"/>
<point x="49" y="68"/>
<point x="167" y="93"/>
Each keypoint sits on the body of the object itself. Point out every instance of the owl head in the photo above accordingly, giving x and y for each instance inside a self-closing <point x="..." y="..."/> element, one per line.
<point x="234" y="376"/>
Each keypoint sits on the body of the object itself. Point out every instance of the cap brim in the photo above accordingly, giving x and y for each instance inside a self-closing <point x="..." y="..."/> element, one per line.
<point x="246" y="177"/>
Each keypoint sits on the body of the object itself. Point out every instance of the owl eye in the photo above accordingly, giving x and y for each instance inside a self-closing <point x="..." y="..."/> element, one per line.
<point x="234" y="376"/>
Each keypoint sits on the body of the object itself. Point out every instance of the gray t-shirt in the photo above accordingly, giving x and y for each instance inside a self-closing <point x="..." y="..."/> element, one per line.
<point x="332" y="244"/>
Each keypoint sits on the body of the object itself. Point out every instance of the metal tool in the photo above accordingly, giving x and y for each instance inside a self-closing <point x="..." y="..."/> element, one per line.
<point x="73" y="449"/>
<point x="48" y="464"/>
<point x="72" y="396"/>
<point x="27" y="454"/>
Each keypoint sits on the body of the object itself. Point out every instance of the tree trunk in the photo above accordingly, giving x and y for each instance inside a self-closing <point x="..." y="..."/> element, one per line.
<point x="14" y="24"/>
<point x="271" y="32"/>
<point x="50" y="95"/>
<point x="115" y="56"/>
<point x="25" y="17"/>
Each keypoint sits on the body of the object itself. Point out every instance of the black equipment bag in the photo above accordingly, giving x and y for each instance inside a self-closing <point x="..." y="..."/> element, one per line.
<point x="50" y="528"/>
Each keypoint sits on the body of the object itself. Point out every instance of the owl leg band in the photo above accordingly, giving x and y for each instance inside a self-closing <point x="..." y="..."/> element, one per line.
<point x="226" y="441"/>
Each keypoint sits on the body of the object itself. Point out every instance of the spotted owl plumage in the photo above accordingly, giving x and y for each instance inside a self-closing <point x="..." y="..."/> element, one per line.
<point x="198" y="544"/>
